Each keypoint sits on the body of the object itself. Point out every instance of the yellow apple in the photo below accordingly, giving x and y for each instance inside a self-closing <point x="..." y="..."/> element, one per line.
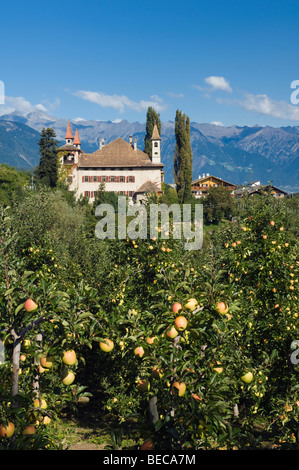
<point x="68" y="377"/>
<point x="172" y="333"/>
<point x="179" y="387"/>
<point x="191" y="304"/>
<point x="47" y="362"/>
<point x="37" y="403"/>
<point x="106" y="345"/>
<point x="69" y="357"/>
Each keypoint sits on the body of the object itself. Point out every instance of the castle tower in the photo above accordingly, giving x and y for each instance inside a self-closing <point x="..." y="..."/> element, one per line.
<point x="156" y="145"/>
<point x="77" y="142"/>
<point x="69" y="135"/>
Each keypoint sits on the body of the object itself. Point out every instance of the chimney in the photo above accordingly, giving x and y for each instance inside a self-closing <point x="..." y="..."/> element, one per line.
<point x="130" y="139"/>
<point x="135" y="144"/>
<point x="101" y="143"/>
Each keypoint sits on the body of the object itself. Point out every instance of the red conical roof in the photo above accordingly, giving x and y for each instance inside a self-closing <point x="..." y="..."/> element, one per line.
<point x="77" y="140"/>
<point x="69" y="134"/>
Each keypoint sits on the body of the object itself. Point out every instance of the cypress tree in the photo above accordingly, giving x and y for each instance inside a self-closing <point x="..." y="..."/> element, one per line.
<point x="47" y="171"/>
<point x="151" y="117"/>
<point x="182" y="158"/>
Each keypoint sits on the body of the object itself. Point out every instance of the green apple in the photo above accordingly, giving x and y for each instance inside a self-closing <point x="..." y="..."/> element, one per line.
<point x="247" y="377"/>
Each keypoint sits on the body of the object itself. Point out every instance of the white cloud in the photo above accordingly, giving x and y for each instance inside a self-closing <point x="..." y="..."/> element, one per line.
<point x="120" y="102"/>
<point x="20" y="105"/>
<point x="262" y="104"/>
<point x="218" y="83"/>
<point x="215" y="83"/>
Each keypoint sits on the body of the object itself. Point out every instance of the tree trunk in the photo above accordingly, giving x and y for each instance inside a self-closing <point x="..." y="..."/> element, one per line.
<point x="38" y="340"/>
<point x="15" y="365"/>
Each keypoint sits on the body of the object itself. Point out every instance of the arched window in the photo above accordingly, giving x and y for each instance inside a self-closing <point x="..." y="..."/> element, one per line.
<point x="156" y="144"/>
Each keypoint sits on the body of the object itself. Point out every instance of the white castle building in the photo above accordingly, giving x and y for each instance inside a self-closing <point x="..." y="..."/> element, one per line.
<point x="120" y="165"/>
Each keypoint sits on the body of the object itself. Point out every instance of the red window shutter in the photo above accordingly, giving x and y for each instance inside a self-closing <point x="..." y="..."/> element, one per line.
<point x="99" y="179"/>
<point x="127" y="179"/>
<point x="91" y="194"/>
<point x="89" y="179"/>
<point x="82" y="179"/>
<point x="133" y="179"/>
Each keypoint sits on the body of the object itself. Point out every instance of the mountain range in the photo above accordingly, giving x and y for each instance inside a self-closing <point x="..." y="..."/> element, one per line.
<point x="238" y="154"/>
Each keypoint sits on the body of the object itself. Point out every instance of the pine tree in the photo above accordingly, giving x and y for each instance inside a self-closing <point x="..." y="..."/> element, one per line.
<point x="151" y="117"/>
<point x="182" y="158"/>
<point x="47" y="171"/>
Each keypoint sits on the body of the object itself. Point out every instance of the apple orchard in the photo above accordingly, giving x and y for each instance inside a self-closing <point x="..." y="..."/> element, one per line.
<point x="180" y="350"/>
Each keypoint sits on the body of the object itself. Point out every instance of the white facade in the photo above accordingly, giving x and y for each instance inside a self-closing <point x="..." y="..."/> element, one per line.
<point x="120" y="165"/>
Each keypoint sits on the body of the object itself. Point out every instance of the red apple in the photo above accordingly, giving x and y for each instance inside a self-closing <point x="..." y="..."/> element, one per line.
<point x="180" y="323"/>
<point x="69" y="357"/>
<point x="147" y="445"/>
<point x="30" y="429"/>
<point x="139" y="351"/>
<point x="272" y="222"/>
<point x="176" y="307"/>
<point x="150" y="340"/>
<point x="7" y="430"/>
<point x="222" y="307"/>
<point x="30" y="305"/>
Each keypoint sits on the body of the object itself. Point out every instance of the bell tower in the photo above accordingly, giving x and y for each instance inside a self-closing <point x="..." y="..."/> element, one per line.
<point x="156" y="145"/>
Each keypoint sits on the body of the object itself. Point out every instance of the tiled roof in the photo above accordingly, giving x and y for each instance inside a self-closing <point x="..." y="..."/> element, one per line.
<point x="148" y="187"/>
<point x="69" y="147"/>
<point x="77" y="139"/>
<point x="211" y="176"/>
<point x="69" y="134"/>
<point x="156" y="135"/>
<point x="117" y="153"/>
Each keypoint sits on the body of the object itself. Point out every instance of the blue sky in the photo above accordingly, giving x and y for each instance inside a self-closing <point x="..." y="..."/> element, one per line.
<point x="230" y="62"/>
